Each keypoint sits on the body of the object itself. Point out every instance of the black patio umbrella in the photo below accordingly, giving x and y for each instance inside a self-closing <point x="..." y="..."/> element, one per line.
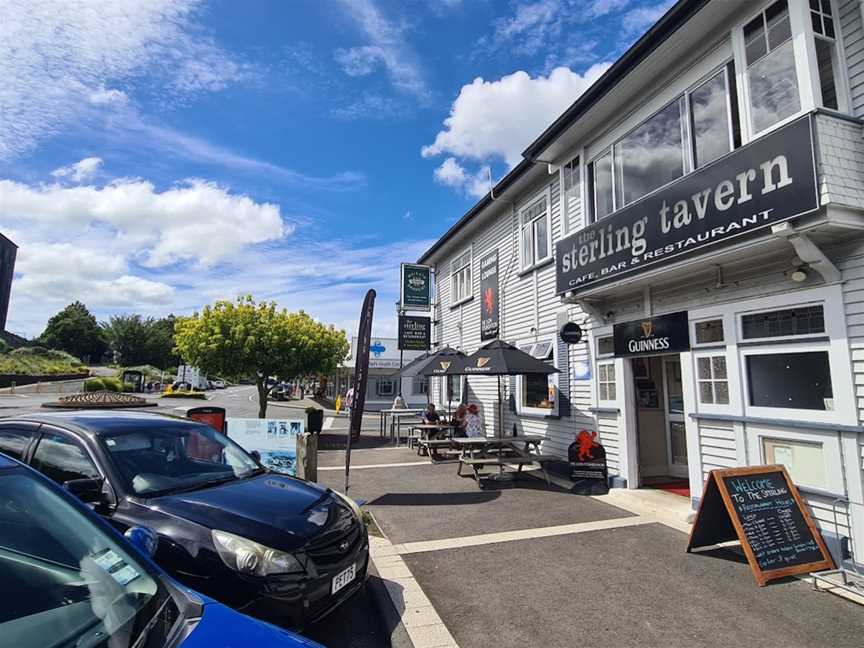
<point x="446" y="362"/>
<point x="498" y="358"/>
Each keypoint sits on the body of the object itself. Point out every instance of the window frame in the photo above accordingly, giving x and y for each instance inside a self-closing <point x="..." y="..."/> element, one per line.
<point x="711" y="353"/>
<point x="841" y="72"/>
<point x="731" y="105"/>
<point x="567" y="226"/>
<point x="44" y="430"/>
<point x="30" y="429"/>
<point x="739" y="317"/>
<point x="694" y="341"/>
<point x="469" y="252"/>
<point x="831" y="452"/>
<point x="543" y="194"/>
<point x="610" y="362"/>
<point x="552" y="381"/>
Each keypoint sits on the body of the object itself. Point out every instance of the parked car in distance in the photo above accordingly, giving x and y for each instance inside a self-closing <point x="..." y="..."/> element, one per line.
<point x="77" y="582"/>
<point x="273" y="546"/>
<point x="218" y="384"/>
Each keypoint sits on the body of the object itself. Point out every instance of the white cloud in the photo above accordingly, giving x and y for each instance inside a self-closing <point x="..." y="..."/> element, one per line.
<point x="359" y="61"/>
<point x="108" y="96"/>
<point x="639" y="20"/>
<point x="387" y="46"/>
<point x="603" y="7"/>
<point x="498" y="119"/>
<point x="58" y="57"/>
<point x="453" y="174"/>
<point x="79" y="171"/>
<point x="533" y="25"/>
<point x="196" y="221"/>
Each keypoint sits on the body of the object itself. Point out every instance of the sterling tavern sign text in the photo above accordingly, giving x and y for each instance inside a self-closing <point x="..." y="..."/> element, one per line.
<point x="768" y="181"/>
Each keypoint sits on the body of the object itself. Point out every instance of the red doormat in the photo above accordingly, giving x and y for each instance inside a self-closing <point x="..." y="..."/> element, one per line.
<point x="676" y="486"/>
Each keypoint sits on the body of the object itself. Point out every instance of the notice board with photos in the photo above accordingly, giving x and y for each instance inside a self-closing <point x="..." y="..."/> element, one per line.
<point x="760" y="507"/>
<point x="274" y="439"/>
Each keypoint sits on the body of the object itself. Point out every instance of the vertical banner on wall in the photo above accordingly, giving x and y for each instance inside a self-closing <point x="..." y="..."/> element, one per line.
<point x="361" y="375"/>
<point x="415" y="287"/>
<point x="489" y="320"/>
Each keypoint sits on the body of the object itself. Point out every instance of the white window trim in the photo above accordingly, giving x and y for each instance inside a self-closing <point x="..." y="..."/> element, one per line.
<point x="470" y="251"/>
<point x="714" y="408"/>
<point x="564" y="208"/>
<point x="553" y="382"/>
<point x="831" y="298"/>
<point x="841" y="72"/>
<point x="694" y="344"/>
<point x="611" y="361"/>
<point x="545" y="193"/>
<point x="739" y="316"/>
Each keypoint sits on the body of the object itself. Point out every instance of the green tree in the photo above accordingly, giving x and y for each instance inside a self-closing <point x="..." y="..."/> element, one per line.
<point x="75" y="330"/>
<point x="244" y="338"/>
<point x="161" y="343"/>
<point x="129" y="337"/>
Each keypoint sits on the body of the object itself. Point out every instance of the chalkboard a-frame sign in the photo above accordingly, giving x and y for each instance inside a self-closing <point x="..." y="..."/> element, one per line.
<point x="760" y="507"/>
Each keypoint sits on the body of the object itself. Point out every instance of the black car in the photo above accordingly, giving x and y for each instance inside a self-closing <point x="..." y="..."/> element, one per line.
<point x="267" y="544"/>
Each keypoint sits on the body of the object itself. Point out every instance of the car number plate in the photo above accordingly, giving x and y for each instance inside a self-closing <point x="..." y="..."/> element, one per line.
<point x="344" y="577"/>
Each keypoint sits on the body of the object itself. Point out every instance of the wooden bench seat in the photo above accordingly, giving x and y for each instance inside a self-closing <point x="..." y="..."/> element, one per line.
<point x="477" y="463"/>
<point x="432" y="445"/>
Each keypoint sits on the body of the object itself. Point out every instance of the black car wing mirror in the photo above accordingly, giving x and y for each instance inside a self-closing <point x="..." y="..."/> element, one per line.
<point x="87" y="490"/>
<point x="256" y="455"/>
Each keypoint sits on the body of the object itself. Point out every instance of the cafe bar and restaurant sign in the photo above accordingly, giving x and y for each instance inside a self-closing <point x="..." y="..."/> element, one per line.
<point x="652" y="335"/>
<point x="415" y="333"/>
<point x="416" y="287"/>
<point x="489" y="321"/>
<point x="763" y="183"/>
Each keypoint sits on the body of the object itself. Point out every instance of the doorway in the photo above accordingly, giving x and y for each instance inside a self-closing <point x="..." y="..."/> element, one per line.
<point x="660" y="429"/>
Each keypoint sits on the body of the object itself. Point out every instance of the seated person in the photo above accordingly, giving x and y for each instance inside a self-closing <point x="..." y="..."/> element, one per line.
<point x="473" y="422"/>
<point x="399" y="402"/>
<point x="459" y="420"/>
<point x="430" y="415"/>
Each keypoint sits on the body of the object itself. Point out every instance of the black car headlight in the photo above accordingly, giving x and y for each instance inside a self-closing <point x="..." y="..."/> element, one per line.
<point x="248" y="557"/>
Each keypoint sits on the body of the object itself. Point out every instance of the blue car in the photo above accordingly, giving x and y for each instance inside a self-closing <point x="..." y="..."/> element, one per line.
<point x="71" y="581"/>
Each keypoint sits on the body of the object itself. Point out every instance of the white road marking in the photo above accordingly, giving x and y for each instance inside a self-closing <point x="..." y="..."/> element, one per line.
<point x="385" y="465"/>
<point x="522" y="534"/>
<point x="328" y="423"/>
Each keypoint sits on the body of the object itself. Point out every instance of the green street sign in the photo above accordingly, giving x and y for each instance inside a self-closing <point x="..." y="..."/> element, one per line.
<point x="416" y="292"/>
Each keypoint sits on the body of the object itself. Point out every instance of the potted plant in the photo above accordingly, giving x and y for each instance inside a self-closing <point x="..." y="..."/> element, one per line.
<point x="314" y="419"/>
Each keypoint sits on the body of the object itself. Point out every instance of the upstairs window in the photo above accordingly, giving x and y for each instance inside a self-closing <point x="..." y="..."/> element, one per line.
<point x="714" y="127"/>
<point x="771" y="76"/>
<point x="460" y="278"/>
<point x="571" y="195"/>
<point x="822" y="20"/>
<point x="600" y="179"/>
<point x="651" y="155"/>
<point x="535" y="233"/>
<point x="804" y="320"/>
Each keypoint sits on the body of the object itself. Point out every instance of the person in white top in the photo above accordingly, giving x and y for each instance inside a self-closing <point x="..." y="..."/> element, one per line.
<point x="473" y="422"/>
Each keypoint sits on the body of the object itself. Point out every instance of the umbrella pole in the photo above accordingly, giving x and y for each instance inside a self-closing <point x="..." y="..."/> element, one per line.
<point x="500" y="410"/>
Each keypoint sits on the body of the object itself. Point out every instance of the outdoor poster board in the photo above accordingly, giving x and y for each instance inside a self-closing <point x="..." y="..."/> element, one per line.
<point x="415" y="333"/>
<point x="415" y="287"/>
<point x="274" y="439"/>
<point x="760" y="507"/>
<point x="489" y="309"/>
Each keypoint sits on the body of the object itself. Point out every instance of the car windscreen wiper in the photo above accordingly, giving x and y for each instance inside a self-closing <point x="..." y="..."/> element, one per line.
<point x="203" y="484"/>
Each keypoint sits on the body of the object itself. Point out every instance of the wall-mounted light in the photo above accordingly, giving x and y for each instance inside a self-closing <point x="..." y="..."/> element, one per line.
<point x="799" y="275"/>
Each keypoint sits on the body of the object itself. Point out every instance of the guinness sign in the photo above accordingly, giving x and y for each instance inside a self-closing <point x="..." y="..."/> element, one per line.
<point x="652" y="336"/>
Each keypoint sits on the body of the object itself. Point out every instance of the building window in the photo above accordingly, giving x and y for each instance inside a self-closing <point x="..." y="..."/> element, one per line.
<point x="385" y="387"/>
<point x="804" y="461"/>
<point x="600" y="177"/>
<point x="651" y="155"/>
<point x="822" y="21"/>
<point x="460" y="278"/>
<point x="570" y="191"/>
<point x="792" y="380"/>
<point x="535" y="233"/>
<point x="713" y="380"/>
<point x="712" y="124"/>
<point x="771" y="76"/>
<point x="538" y="391"/>
<point x="709" y="331"/>
<point x="803" y="320"/>
<point x="605" y="345"/>
<point x="420" y="385"/>
<point x="454" y="389"/>
<point x="606" y="381"/>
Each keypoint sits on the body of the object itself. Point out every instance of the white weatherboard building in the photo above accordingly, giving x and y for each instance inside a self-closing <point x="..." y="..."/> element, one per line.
<point x="699" y="212"/>
<point x="382" y="386"/>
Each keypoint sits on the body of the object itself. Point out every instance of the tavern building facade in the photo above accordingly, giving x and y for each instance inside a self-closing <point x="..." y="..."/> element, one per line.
<point x="699" y="213"/>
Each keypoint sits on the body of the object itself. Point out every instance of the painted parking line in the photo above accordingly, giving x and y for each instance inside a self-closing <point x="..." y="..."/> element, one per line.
<point x="384" y="465"/>
<point x="522" y="534"/>
<point x="328" y="423"/>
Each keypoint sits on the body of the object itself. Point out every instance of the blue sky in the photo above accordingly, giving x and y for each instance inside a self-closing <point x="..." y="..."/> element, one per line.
<point x="157" y="155"/>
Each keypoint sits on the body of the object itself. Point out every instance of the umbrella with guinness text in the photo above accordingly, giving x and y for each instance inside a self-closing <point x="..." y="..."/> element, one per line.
<point x="498" y="358"/>
<point x="444" y="363"/>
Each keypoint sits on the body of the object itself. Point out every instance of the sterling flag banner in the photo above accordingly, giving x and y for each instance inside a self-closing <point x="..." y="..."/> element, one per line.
<point x="361" y="375"/>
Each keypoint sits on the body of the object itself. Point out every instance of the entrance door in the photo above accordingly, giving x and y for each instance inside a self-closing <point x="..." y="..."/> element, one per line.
<point x="676" y="438"/>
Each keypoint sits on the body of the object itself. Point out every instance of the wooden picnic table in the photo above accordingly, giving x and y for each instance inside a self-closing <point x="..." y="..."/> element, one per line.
<point x="476" y="452"/>
<point x="427" y="429"/>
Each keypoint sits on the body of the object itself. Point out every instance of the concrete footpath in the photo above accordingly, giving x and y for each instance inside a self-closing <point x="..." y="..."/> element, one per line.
<point x="522" y="564"/>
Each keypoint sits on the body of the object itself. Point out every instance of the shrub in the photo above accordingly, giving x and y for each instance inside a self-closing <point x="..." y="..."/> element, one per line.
<point x="4" y="346"/>
<point x="93" y="384"/>
<point x="185" y="394"/>
<point x="112" y="384"/>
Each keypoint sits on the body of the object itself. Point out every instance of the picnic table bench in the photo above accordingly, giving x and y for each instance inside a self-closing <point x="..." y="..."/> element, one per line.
<point x="432" y="446"/>
<point x="477" y="452"/>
